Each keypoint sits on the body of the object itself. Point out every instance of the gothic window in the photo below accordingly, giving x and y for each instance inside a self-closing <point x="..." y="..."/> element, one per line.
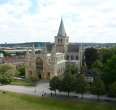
<point x="76" y="57"/>
<point x="67" y="57"/>
<point x="48" y="75"/>
<point x="72" y="57"/>
<point x="40" y="76"/>
<point x="61" y="41"/>
<point x="39" y="66"/>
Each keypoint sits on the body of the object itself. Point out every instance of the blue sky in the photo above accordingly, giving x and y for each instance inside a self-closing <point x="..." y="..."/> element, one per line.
<point x="38" y="20"/>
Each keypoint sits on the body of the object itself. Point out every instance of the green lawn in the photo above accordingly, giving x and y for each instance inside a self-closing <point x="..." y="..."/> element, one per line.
<point x="13" y="101"/>
<point x="22" y="82"/>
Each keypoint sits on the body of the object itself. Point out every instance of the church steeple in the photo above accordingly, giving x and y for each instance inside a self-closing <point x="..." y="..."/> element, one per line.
<point x="61" y="31"/>
<point x="61" y="40"/>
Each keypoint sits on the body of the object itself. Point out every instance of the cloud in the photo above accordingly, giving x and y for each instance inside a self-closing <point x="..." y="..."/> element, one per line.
<point x="38" y="20"/>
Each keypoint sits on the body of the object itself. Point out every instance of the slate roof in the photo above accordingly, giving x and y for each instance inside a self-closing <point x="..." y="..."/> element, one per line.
<point x="61" y="31"/>
<point x="73" y="47"/>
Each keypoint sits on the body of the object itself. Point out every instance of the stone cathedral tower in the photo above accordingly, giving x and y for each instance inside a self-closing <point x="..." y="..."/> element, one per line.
<point x="30" y="65"/>
<point x="61" y="40"/>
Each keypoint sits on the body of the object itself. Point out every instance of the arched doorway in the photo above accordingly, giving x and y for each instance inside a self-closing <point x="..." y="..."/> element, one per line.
<point x="39" y="67"/>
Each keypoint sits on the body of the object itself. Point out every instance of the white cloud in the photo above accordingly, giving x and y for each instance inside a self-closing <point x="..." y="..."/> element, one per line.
<point x="84" y="20"/>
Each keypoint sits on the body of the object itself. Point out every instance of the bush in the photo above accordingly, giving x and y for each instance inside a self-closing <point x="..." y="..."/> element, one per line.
<point x="7" y="71"/>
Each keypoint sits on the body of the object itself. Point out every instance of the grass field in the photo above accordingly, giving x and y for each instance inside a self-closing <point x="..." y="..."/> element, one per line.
<point x="22" y="82"/>
<point x="13" y="101"/>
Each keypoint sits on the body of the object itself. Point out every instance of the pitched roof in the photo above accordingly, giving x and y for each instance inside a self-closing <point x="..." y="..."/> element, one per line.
<point x="72" y="47"/>
<point x="61" y="31"/>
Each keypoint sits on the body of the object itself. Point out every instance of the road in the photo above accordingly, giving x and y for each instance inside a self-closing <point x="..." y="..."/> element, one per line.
<point x="38" y="90"/>
<point x="42" y="88"/>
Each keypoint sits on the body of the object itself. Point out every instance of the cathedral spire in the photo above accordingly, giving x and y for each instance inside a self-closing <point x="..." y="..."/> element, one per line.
<point x="61" y="31"/>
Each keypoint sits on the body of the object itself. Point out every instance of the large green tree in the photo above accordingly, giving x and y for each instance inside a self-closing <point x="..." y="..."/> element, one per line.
<point x="7" y="72"/>
<point x="109" y="75"/>
<point x="54" y="84"/>
<point x="97" y="68"/>
<point x="97" y="65"/>
<point x="106" y="54"/>
<point x="112" y="89"/>
<point x="80" y="85"/>
<point x="97" y="87"/>
<point x="67" y="83"/>
<point x="91" y="55"/>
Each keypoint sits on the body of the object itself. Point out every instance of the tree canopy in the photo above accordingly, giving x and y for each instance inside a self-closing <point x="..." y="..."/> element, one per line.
<point x="80" y="84"/>
<point x="54" y="83"/>
<point x="7" y="71"/>
<point x="91" y="55"/>
<point x="109" y="75"/>
<point x="98" y="87"/>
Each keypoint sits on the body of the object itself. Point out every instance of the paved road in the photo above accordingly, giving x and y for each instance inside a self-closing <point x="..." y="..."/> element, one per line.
<point x="38" y="90"/>
<point x="42" y="88"/>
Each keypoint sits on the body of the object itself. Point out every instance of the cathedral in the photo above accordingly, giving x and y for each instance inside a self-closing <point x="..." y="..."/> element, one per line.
<point x="44" y="64"/>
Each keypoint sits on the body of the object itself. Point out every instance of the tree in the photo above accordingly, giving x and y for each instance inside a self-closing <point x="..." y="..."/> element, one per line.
<point x="98" y="87"/>
<point x="72" y="69"/>
<point x="21" y="70"/>
<point x="106" y="54"/>
<point x="80" y="84"/>
<point x="67" y="83"/>
<point x="96" y="68"/>
<point x="97" y="65"/>
<point x="91" y="55"/>
<point x="60" y="85"/>
<point x="54" y="83"/>
<point x="112" y="89"/>
<point x="109" y="75"/>
<point x="7" y="71"/>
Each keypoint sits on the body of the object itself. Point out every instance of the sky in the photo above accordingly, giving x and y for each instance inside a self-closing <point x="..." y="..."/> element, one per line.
<point x="39" y="20"/>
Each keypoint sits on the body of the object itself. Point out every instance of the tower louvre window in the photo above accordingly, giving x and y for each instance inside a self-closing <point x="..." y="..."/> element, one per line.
<point x="61" y="41"/>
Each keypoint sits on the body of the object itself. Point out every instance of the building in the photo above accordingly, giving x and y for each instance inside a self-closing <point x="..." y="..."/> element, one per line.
<point x="44" y="64"/>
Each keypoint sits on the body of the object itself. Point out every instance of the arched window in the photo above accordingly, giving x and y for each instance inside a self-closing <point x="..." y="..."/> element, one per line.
<point x="76" y="57"/>
<point x="39" y="66"/>
<point x="72" y="57"/>
<point x="61" y="41"/>
<point x="48" y="75"/>
<point x="67" y="57"/>
<point x="58" y="41"/>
